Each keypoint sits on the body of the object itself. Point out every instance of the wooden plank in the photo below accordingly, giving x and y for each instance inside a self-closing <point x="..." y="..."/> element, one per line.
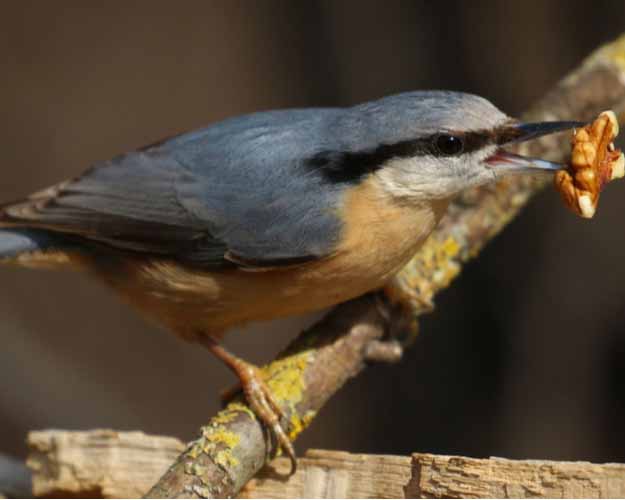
<point x="99" y="463"/>
<point x="331" y="474"/>
<point x="111" y="464"/>
<point x="448" y="477"/>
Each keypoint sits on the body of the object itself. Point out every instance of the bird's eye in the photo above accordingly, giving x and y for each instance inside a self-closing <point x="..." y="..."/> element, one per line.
<point x="449" y="145"/>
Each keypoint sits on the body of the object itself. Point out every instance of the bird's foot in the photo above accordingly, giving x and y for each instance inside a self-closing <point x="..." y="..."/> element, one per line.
<point x="259" y="398"/>
<point x="398" y="305"/>
<point x="262" y="402"/>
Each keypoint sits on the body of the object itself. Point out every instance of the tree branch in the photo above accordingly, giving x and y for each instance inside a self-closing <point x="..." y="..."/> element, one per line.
<point x="232" y="449"/>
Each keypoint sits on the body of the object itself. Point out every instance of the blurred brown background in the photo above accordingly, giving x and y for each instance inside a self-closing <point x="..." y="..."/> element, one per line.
<point x="525" y="354"/>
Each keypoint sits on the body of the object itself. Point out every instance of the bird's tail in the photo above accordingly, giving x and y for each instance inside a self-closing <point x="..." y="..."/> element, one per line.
<point x="32" y="248"/>
<point x="29" y="247"/>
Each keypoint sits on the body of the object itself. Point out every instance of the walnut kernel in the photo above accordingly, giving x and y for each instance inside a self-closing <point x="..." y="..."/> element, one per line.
<point x="594" y="162"/>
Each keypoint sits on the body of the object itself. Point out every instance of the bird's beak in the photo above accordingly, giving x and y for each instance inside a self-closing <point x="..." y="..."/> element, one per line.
<point x="503" y="161"/>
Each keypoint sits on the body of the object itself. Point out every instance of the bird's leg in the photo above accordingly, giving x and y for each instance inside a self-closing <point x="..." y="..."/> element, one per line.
<point x="257" y="395"/>
<point x="397" y="303"/>
<point x="229" y="394"/>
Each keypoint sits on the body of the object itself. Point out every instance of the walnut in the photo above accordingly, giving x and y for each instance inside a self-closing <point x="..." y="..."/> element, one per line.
<point x="594" y="163"/>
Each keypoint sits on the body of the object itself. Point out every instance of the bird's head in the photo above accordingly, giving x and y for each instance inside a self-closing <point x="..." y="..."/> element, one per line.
<point x="432" y="145"/>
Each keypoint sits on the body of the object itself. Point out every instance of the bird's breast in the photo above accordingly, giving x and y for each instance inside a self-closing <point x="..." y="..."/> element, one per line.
<point x="378" y="237"/>
<point x="381" y="232"/>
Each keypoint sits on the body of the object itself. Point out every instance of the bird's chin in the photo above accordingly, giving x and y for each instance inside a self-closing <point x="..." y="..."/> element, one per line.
<point x="477" y="178"/>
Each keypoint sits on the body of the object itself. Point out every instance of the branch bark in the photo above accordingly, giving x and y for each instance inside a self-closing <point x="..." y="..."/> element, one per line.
<point x="232" y="447"/>
<point x="124" y="464"/>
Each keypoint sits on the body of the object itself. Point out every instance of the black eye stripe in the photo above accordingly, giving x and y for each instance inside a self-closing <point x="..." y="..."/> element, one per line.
<point x="350" y="166"/>
<point x="474" y="141"/>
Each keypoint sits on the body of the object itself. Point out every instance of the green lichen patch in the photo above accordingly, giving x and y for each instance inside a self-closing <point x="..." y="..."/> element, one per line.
<point x="216" y="441"/>
<point x="285" y="377"/>
<point x="232" y="411"/>
<point x="220" y="435"/>
<point x="433" y="268"/>
<point x="299" y="424"/>
<point x="286" y="380"/>
<point x="226" y="459"/>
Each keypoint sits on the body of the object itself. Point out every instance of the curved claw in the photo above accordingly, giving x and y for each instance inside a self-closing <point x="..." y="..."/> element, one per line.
<point x="266" y="409"/>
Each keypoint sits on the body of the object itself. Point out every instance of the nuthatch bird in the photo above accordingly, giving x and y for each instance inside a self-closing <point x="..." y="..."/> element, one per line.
<point x="268" y="215"/>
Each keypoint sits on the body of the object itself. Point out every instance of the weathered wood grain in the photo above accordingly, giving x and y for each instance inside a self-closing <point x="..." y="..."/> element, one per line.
<point x="109" y="464"/>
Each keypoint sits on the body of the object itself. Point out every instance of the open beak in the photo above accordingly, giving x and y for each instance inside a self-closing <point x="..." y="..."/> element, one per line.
<point x="503" y="161"/>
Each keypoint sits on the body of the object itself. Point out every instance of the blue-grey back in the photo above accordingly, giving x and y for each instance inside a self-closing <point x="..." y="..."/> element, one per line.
<point x="249" y="186"/>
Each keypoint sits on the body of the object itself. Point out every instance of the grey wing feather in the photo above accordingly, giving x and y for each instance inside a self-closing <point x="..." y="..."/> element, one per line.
<point x="277" y="212"/>
<point x="129" y="203"/>
<point x="227" y="194"/>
